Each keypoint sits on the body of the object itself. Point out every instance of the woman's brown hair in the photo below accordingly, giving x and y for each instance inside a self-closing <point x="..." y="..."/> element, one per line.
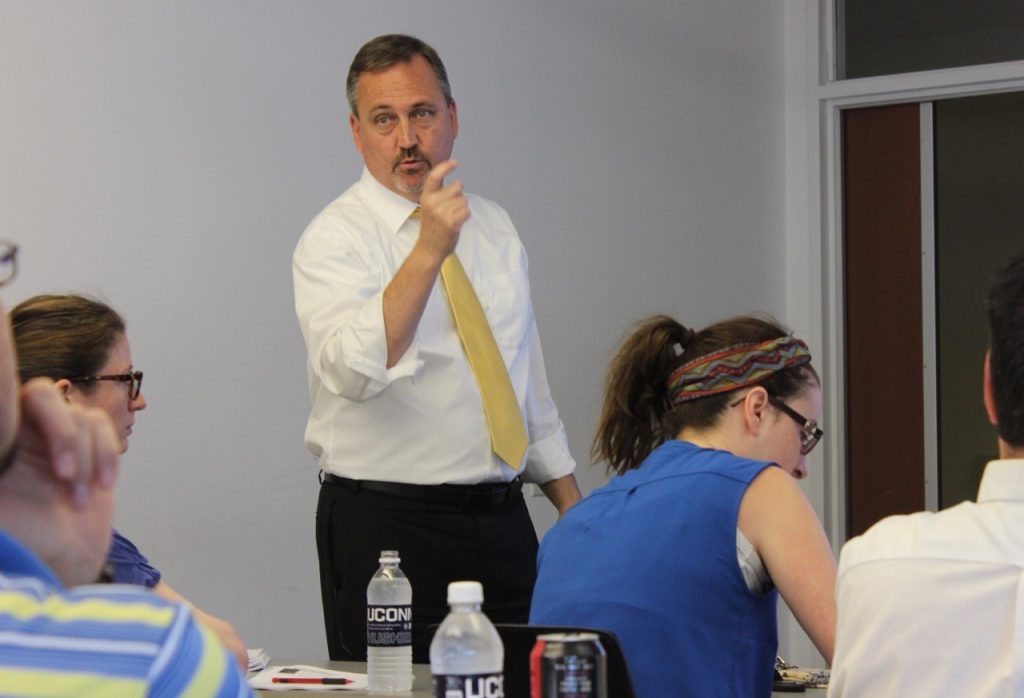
<point x="638" y="416"/>
<point x="65" y="336"/>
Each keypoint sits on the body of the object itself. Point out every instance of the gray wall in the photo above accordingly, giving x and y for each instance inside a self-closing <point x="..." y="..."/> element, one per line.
<point x="166" y="157"/>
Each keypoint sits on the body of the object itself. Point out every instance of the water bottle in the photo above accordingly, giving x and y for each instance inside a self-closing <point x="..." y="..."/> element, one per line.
<point x="389" y="628"/>
<point x="466" y="655"/>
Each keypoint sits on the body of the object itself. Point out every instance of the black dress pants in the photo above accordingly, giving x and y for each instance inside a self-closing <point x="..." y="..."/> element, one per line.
<point x="438" y="543"/>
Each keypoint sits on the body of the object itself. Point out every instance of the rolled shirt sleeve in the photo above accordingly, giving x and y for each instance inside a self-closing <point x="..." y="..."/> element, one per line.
<point x="548" y="456"/>
<point x="339" y="293"/>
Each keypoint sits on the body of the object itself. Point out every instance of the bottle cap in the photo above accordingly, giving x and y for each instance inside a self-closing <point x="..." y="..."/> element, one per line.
<point x="465" y="592"/>
<point x="389" y="556"/>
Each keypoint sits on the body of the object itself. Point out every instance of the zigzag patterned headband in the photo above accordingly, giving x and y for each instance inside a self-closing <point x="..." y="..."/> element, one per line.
<point x="735" y="367"/>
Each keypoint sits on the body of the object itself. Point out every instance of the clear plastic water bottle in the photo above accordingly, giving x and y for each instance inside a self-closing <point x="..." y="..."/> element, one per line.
<point x="467" y="658"/>
<point x="389" y="628"/>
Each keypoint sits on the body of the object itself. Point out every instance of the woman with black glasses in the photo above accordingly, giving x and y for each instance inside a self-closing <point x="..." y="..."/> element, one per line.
<point x="683" y="554"/>
<point x="82" y="346"/>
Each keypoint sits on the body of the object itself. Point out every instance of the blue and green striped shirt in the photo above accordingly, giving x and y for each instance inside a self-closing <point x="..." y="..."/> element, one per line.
<point x="101" y="640"/>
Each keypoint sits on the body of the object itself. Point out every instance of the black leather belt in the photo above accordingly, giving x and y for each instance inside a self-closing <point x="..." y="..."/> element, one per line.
<point x="480" y="496"/>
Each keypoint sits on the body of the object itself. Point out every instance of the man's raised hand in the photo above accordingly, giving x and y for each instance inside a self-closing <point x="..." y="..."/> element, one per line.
<point x="443" y="210"/>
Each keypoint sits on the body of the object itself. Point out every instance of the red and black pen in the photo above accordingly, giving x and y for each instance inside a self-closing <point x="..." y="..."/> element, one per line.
<point x="324" y="680"/>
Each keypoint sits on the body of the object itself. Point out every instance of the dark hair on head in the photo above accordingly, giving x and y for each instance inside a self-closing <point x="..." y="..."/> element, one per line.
<point x="1006" y="349"/>
<point x="63" y="336"/>
<point x="387" y="50"/>
<point x="637" y="415"/>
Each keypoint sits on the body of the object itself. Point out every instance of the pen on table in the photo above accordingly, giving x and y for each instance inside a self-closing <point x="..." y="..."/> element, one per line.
<point x="326" y="680"/>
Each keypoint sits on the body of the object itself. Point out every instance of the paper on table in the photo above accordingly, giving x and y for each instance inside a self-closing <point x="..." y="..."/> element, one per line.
<point x="258" y="659"/>
<point x="264" y="680"/>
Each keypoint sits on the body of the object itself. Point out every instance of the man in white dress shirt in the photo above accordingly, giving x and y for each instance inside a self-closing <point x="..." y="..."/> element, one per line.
<point x="932" y="604"/>
<point x="397" y="423"/>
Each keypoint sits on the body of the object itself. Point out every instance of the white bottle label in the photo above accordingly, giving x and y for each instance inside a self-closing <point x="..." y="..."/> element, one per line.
<point x="469" y="686"/>
<point x="388" y="626"/>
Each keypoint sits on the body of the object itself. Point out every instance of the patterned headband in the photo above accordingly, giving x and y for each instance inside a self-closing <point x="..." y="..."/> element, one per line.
<point x="735" y="367"/>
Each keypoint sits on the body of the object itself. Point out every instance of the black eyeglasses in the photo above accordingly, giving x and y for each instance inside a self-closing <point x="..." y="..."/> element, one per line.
<point x="133" y="379"/>
<point x="810" y="432"/>
<point x="8" y="261"/>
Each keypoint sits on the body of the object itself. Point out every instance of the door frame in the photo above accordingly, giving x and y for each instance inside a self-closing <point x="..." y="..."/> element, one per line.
<point x="815" y="100"/>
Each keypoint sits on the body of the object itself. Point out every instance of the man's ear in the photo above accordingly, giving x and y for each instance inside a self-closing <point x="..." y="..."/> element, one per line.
<point x="357" y="136"/>
<point x="988" y="391"/>
<point x="64" y="386"/>
<point x="454" y="116"/>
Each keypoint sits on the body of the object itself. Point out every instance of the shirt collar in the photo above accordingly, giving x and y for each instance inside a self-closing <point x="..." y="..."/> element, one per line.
<point x="18" y="561"/>
<point x="393" y="208"/>
<point x="1003" y="480"/>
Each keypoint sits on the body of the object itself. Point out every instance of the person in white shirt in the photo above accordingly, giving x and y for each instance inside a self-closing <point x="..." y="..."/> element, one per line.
<point x="397" y="424"/>
<point x="930" y="604"/>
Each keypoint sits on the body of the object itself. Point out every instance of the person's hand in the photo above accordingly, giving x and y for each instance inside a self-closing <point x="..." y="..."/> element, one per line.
<point x="224" y="631"/>
<point x="443" y="210"/>
<point x="227" y="635"/>
<point x="75" y="444"/>
<point x="65" y="522"/>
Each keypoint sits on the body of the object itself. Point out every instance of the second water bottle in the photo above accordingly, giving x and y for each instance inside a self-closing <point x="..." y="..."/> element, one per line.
<point x="467" y="657"/>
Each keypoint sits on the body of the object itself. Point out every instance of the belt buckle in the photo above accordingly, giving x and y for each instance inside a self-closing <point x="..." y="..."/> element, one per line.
<point x="507" y="492"/>
<point x="499" y="495"/>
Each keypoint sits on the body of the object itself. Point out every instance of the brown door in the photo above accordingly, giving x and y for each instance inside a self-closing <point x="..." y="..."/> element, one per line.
<point x="882" y="253"/>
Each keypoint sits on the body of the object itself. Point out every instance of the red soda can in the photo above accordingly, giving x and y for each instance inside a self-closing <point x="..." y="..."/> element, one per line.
<point x="568" y="665"/>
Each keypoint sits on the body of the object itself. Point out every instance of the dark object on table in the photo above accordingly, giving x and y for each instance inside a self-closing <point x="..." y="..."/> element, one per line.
<point x="785" y="686"/>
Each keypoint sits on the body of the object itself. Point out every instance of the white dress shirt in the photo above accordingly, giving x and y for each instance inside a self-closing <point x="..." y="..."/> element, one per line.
<point x="932" y="604"/>
<point x="422" y="420"/>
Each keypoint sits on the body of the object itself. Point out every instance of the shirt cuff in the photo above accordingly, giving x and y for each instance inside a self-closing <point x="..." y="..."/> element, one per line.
<point x="366" y="348"/>
<point x="549" y="459"/>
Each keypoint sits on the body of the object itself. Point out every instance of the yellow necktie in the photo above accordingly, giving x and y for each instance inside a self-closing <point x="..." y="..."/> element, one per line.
<point x="501" y="408"/>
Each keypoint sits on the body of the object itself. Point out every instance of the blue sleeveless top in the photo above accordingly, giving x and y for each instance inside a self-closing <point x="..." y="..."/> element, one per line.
<point x="652" y="557"/>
